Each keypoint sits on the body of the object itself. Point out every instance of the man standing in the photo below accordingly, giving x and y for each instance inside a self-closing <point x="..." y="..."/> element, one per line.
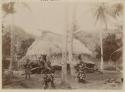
<point x="48" y="78"/>
<point x="81" y="70"/>
<point x="48" y="75"/>
<point x="27" y="69"/>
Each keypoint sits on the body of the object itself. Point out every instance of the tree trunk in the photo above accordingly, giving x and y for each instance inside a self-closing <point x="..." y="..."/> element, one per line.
<point x="68" y="69"/>
<point x="12" y="47"/>
<point x="70" y="47"/>
<point x="64" y="72"/>
<point x="101" y="43"/>
<point x="72" y="20"/>
<point x="11" y="51"/>
<point x="64" y="53"/>
<point x="64" y="75"/>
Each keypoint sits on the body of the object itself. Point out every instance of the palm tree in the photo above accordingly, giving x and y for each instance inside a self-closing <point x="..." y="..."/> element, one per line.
<point x="9" y="9"/>
<point x="68" y="55"/>
<point x="72" y="27"/>
<point x="101" y="15"/>
<point x="64" y="54"/>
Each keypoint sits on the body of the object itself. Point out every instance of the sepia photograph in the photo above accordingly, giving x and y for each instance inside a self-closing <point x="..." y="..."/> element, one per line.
<point x="50" y="44"/>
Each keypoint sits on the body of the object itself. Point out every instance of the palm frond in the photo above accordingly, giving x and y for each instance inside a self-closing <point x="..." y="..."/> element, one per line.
<point x="101" y="13"/>
<point x="116" y="10"/>
<point x="8" y="8"/>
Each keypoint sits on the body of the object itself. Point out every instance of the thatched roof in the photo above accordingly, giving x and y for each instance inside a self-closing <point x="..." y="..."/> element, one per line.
<point x="41" y="47"/>
<point x="52" y="43"/>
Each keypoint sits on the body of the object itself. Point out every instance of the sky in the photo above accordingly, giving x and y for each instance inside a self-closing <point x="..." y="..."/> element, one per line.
<point x="54" y="17"/>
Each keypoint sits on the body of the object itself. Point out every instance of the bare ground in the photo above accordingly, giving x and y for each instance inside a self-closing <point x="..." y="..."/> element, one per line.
<point x="93" y="81"/>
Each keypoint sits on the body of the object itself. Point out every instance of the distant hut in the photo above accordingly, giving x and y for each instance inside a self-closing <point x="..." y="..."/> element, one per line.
<point x="51" y="44"/>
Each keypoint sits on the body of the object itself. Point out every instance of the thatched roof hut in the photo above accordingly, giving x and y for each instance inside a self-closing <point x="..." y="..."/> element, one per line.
<point x="52" y="43"/>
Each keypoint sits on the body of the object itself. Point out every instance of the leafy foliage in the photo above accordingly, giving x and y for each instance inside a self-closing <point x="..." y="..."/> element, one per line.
<point x="21" y="41"/>
<point x="101" y="14"/>
<point x="24" y="46"/>
<point x="110" y="44"/>
<point x="6" y="44"/>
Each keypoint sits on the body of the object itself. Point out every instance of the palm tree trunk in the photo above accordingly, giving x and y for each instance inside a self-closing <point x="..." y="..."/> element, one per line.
<point x="70" y="47"/>
<point x="64" y="77"/>
<point x="101" y="43"/>
<point x="64" y="53"/>
<point x="72" y="20"/>
<point x="64" y="60"/>
<point x="12" y="47"/>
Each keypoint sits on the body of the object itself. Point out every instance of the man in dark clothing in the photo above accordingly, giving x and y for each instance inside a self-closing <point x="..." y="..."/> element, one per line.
<point x="48" y="75"/>
<point x="81" y="70"/>
<point x="27" y="69"/>
<point x="48" y="78"/>
<point x="81" y="73"/>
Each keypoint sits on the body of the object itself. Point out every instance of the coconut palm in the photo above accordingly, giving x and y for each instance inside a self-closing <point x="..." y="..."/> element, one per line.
<point x="9" y="9"/>
<point x="101" y="15"/>
<point x="70" y="28"/>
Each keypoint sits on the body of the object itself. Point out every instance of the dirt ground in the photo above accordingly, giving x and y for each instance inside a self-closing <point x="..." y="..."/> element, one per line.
<point x="93" y="81"/>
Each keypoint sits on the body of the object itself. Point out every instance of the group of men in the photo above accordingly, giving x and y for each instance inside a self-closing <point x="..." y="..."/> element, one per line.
<point x="47" y="71"/>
